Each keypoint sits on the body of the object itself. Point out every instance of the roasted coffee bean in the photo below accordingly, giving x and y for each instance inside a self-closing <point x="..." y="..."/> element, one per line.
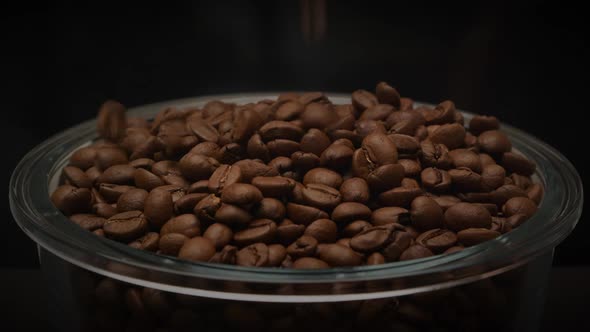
<point x="201" y="186"/>
<point x="197" y="249"/>
<point x="276" y="254"/>
<point x="83" y="158"/>
<point x="289" y="110"/>
<point x="186" y="224"/>
<point x="354" y="190"/>
<point x="256" y="254"/>
<point x="426" y="213"/>
<point x="241" y="194"/>
<point x="376" y="150"/>
<point x="282" y="147"/>
<point x="435" y="180"/>
<point x="323" y="230"/>
<point x="304" y="246"/>
<point x="147" y="242"/>
<point x="451" y="135"/>
<point x="437" y="240"/>
<point x="350" y="211"/>
<point x="171" y="243"/>
<point x="465" y="180"/>
<point x="287" y="232"/>
<point x="506" y="192"/>
<point x="196" y="167"/>
<point x="472" y="236"/>
<point x="481" y="123"/>
<point x="111" y="121"/>
<point x="435" y="155"/>
<point x="406" y="145"/>
<point x="126" y="226"/>
<point x="390" y="215"/>
<point x="411" y="167"/>
<point x="321" y="196"/>
<point x="446" y="201"/>
<point x="314" y="141"/>
<point x="386" y="177"/>
<point x="71" y="200"/>
<point x="492" y="208"/>
<point x="375" y="259"/>
<point x="110" y="193"/>
<point x="501" y="225"/>
<point x="187" y="203"/>
<point x="363" y="99"/>
<point x="280" y="130"/>
<point x="220" y="234"/>
<point x="158" y="207"/>
<point x="323" y="176"/>
<point x="492" y="177"/>
<point x="260" y="230"/>
<point x="272" y="186"/>
<point x="318" y="115"/>
<point x="77" y="177"/>
<point x="494" y="142"/>
<point x="177" y="192"/>
<point x="231" y="215"/>
<point x="355" y="227"/>
<point x="109" y="156"/>
<point x="256" y="148"/>
<point x="535" y="192"/>
<point x="104" y="210"/>
<point x="386" y="94"/>
<point x="519" y="205"/>
<point x="203" y="130"/>
<point x="131" y="200"/>
<point x="227" y="255"/>
<point x="415" y="252"/>
<point x="399" y="196"/>
<point x="93" y="173"/>
<point x="208" y="149"/>
<point x="521" y="181"/>
<point x="144" y="163"/>
<point x="517" y="164"/>
<point x="270" y="208"/>
<point x="344" y="242"/>
<point x="375" y="238"/>
<point x="146" y="180"/>
<point x="379" y="112"/>
<point x="303" y="214"/>
<point x="304" y="161"/>
<point x="223" y="176"/>
<point x="398" y="242"/>
<point x="89" y="222"/>
<point x="338" y="255"/>
<point x="466" y="215"/>
<point x="309" y="263"/>
<point x="466" y="158"/>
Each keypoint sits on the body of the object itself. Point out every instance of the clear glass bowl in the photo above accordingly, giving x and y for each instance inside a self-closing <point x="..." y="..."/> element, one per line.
<point x="98" y="283"/>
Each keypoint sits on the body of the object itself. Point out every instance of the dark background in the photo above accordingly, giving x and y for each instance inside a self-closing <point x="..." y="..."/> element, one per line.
<point x="523" y="62"/>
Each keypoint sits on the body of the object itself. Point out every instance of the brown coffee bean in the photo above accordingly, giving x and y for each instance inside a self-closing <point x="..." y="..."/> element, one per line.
<point x="323" y="176"/>
<point x="492" y="177"/>
<point x="71" y="200"/>
<point x="276" y="254"/>
<point x="415" y="252"/>
<point x="126" y="226"/>
<point x="318" y="115"/>
<point x="494" y="142"/>
<point x="224" y="176"/>
<point x="147" y="242"/>
<point x="344" y="242"/>
<point x="398" y="242"/>
<point x="519" y="205"/>
<point x="158" y="207"/>
<point x="104" y="210"/>
<point x="399" y="196"/>
<point x="131" y="200"/>
<point x="83" y="158"/>
<point x="187" y="203"/>
<point x="186" y="224"/>
<point x="111" y="121"/>
<point x="517" y="164"/>
<point x="144" y="163"/>
<point x="466" y="215"/>
<point x="466" y="158"/>
<point x="110" y="193"/>
<point x="426" y="213"/>
<point x="355" y="227"/>
<point x="338" y="255"/>
<point x="323" y="230"/>
<point x="437" y="240"/>
<point x="203" y="130"/>
<point x="287" y="232"/>
<point x="304" y="161"/>
<point x="310" y="263"/>
<point x="321" y="196"/>
<point x="506" y="192"/>
<point x="256" y="148"/>
<point x="501" y="225"/>
<point x="272" y="186"/>
<point x="108" y="156"/>
<point x="379" y="112"/>
<point x="303" y="214"/>
<point x="231" y="215"/>
<point x="363" y="99"/>
<point x="374" y="238"/>
<point x="220" y="234"/>
<point x="386" y="94"/>
<point x="89" y="222"/>
<point x="378" y="150"/>
<point x="289" y="110"/>
<point x="337" y="156"/>
<point x="201" y="186"/>
<point x="535" y="192"/>
<point x="451" y="135"/>
<point x="77" y="177"/>
<point x="314" y="141"/>
<point x="472" y="236"/>
<point x="453" y="249"/>
<point x="256" y="254"/>
<point x="435" y="155"/>
<point x="197" y="167"/>
<point x="481" y="123"/>
<point x="260" y="230"/>
<point x="521" y="181"/>
<point x="435" y="180"/>
<point x="282" y="147"/>
<point x="146" y="180"/>
<point x="208" y="149"/>
<point x="465" y="180"/>
<point x="390" y="215"/>
<point x="375" y="259"/>
<point x="386" y="177"/>
<point x="355" y="190"/>
<point x="350" y="211"/>
<point x="227" y="255"/>
<point x="411" y="167"/>
<point x="304" y="246"/>
<point x="93" y="173"/>
<point x="197" y="249"/>
<point x="280" y="130"/>
<point x="241" y="194"/>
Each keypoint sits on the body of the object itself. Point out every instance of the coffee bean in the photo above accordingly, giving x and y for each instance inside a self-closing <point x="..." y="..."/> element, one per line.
<point x="220" y="234"/>
<point x="197" y="167"/>
<point x="501" y="225"/>
<point x="273" y="186"/>
<point x="209" y="149"/>
<point x="280" y="130"/>
<point x="481" y="123"/>
<point x="453" y="249"/>
<point x="314" y="141"/>
<point x="186" y="224"/>
<point x="323" y="230"/>
<point x="131" y="200"/>
<point x="344" y="242"/>
<point x="83" y="158"/>
<point x="282" y="147"/>
<point x="231" y="215"/>
<point x="304" y="246"/>
<point x="398" y="243"/>
<point x="378" y="149"/>
<point x="110" y="193"/>
<point x="148" y="242"/>
<point x="303" y="214"/>
<point x="77" y="177"/>
<point x="519" y="205"/>
<point x="472" y="236"/>
<point x="354" y="190"/>
<point x="390" y="215"/>
<point x="451" y="135"/>
<point x="379" y="112"/>
<point x="435" y="180"/>
<point x="203" y="130"/>
<point x="310" y="263"/>
<point x="415" y="252"/>
<point x="256" y="148"/>
<point x="426" y="213"/>
<point x="144" y="163"/>
<point x="227" y="255"/>
<point x="399" y="196"/>
<point x="444" y="112"/>
<point x="93" y="173"/>
<point x="466" y="158"/>
<point x="111" y="121"/>
<point x="187" y="203"/>
<point x="289" y="110"/>
<point x="338" y="255"/>
<point x="318" y="115"/>
<point x="107" y="157"/>
<point x="375" y="259"/>
<point x="245" y="125"/>
<point x="126" y="226"/>
<point x="71" y="200"/>
<point x="437" y="240"/>
<point x="363" y="99"/>
<point x="197" y="249"/>
<point x="260" y="230"/>
<point x="146" y="180"/>
<point x="386" y="94"/>
<point x="411" y="167"/>
<point x="494" y="142"/>
<point x="492" y="177"/>
<point x="517" y="164"/>
<point x="223" y="176"/>
<point x="323" y="176"/>
<point x="506" y="192"/>
<point x="89" y="222"/>
<point x="466" y="215"/>
<point x="287" y="232"/>
<point x="276" y="254"/>
<point x="241" y="194"/>
<point x="521" y="181"/>
<point x="435" y="155"/>
<point x="464" y="179"/>
<point x="350" y="211"/>
<point x="374" y="238"/>
<point x="104" y="210"/>
<point x="321" y="196"/>
<point x="256" y="254"/>
<point x="535" y="192"/>
<point x="158" y="207"/>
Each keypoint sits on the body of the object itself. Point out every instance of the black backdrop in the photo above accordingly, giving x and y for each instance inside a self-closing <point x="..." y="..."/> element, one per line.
<point x="523" y="62"/>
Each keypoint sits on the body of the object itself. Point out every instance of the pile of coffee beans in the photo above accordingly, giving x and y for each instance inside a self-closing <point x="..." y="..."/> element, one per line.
<point x="300" y="182"/>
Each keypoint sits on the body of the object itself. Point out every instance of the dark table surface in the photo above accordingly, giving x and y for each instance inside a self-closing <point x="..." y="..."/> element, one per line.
<point x="566" y="305"/>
